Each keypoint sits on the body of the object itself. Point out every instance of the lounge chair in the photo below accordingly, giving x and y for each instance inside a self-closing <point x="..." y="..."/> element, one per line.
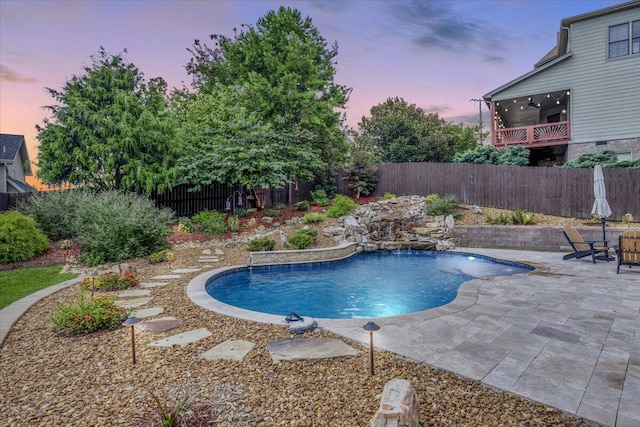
<point x="628" y="249"/>
<point x="582" y="248"/>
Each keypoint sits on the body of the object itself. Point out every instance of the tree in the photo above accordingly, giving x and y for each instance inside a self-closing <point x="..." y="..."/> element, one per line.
<point x="110" y="130"/>
<point x="283" y="74"/>
<point x="402" y="132"/>
<point x="490" y="155"/>
<point x="606" y="158"/>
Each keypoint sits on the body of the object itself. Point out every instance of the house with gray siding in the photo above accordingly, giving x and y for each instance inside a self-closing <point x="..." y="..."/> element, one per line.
<point x="581" y="97"/>
<point x="14" y="164"/>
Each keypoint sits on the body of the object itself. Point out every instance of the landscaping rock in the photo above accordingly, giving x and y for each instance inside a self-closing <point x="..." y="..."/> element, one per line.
<point x="399" y="406"/>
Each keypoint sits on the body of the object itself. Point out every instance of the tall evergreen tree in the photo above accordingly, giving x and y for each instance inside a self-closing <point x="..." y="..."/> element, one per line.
<point x="109" y="130"/>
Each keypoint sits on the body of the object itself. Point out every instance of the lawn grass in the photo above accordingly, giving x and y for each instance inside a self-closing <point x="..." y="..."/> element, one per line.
<point x="15" y="284"/>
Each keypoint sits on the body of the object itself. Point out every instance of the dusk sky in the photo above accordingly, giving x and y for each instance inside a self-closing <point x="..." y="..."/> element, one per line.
<point x="435" y="54"/>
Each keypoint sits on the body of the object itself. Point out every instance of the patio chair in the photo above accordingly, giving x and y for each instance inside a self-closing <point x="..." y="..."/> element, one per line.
<point x="628" y="249"/>
<point x="582" y="248"/>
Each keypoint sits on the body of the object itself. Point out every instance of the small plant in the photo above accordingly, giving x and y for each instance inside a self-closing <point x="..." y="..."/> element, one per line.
<point x="241" y="213"/>
<point x="233" y="223"/>
<point x="84" y="317"/>
<point x="313" y="217"/>
<point x="342" y="205"/>
<point x="260" y="244"/>
<point x="172" y="415"/>
<point x="20" y="238"/>
<point x="162" y="256"/>
<point x="521" y="217"/>
<point x="185" y="224"/>
<point x="273" y="213"/>
<point x="280" y="206"/>
<point x="111" y="282"/>
<point x="319" y="196"/>
<point x="443" y="206"/>
<point x="431" y="198"/>
<point x="249" y="224"/>
<point x="302" y="239"/>
<point x="210" y="222"/>
<point x="501" y="219"/>
<point x="388" y="196"/>
<point x="302" y="206"/>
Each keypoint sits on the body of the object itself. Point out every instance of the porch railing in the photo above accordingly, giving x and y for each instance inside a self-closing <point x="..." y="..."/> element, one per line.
<point x="557" y="133"/>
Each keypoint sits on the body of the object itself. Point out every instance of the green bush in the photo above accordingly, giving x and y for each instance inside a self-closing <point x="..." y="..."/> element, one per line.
<point x="162" y="256"/>
<point x="241" y="212"/>
<point x="342" y="205"/>
<point x="84" y="317"/>
<point x="118" y="226"/>
<point x="320" y="197"/>
<point x="443" y="206"/>
<point x="260" y="244"/>
<point x="233" y="223"/>
<point x="210" y="222"/>
<point x="432" y="198"/>
<point x="521" y="217"/>
<point x="302" y="239"/>
<point x="20" y="238"/>
<point x="186" y="225"/>
<point x="111" y="282"/>
<point x="501" y="219"/>
<point x="273" y="213"/>
<point x="490" y="155"/>
<point x="302" y="206"/>
<point x="58" y="213"/>
<point x="388" y="196"/>
<point x="313" y="217"/>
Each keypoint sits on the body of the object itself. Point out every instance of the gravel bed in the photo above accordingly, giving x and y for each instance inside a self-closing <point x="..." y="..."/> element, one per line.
<point x="47" y="379"/>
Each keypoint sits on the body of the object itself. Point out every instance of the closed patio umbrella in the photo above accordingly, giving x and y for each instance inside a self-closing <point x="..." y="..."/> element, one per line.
<point x="600" y="205"/>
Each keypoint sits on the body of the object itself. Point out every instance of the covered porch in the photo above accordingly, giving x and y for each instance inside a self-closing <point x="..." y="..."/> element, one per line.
<point x="533" y="121"/>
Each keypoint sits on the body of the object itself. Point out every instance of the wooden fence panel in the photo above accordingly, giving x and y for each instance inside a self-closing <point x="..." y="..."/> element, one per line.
<point x="8" y="201"/>
<point x="554" y="191"/>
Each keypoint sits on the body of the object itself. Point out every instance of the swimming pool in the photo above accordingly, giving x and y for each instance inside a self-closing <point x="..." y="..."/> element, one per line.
<point x="371" y="285"/>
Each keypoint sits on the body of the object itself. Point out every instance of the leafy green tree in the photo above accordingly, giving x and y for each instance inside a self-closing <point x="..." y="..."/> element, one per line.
<point x="401" y="132"/>
<point x="360" y="173"/>
<point x="490" y="155"/>
<point x="109" y="130"/>
<point x="279" y="78"/>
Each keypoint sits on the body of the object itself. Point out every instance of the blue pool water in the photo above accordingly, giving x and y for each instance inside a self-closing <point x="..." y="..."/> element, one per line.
<point x="377" y="284"/>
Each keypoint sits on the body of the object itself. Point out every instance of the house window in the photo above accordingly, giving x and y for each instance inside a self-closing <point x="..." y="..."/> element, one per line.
<point x="624" y="39"/>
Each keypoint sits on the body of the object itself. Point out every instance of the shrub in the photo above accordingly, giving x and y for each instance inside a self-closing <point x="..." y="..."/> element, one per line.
<point x="185" y="224"/>
<point x="233" y="223"/>
<point x="302" y="239"/>
<point x="58" y="213"/>
<point x="84" y="317"/>
<point x="501" y="219"/>
<point x="302" y="206"/>
<point x="261" y="244"/>
<point x="20" y="238"/>
<point x="431" y="198"/>
<point x="313" y="217"/>
<point x="273" y="212"/>
<point x="320" y="197"/>
<point x="388" y="196"/>
<point x="111" y="282"/>
<point x="241" y="212"/>
<point x="342" y="205"/>
<point x="117" y="226"/>
<point x="210" y="222"/>
<point x="443" y="206"/>
<point x="280" y="206"/>
<point x="162" y="256"/>
<point x="521" y="217"/>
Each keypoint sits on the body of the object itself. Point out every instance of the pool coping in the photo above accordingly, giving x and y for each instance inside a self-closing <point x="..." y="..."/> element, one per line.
<point x="467" y="295"/>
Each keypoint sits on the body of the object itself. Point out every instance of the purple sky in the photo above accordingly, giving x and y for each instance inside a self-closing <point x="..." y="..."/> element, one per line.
<point x="435" y="54"/>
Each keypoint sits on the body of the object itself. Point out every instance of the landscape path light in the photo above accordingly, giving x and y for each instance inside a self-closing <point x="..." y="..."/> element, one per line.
<point x="93" y="276"/>
<point x="132" y="321"/>
<point x="371" y="328"/>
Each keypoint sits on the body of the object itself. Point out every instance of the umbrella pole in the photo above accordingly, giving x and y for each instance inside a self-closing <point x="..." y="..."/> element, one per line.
<point x="604" y="238"/>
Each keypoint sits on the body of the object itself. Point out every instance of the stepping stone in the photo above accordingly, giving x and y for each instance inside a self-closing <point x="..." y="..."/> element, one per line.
<point x="309" y="348"/>
<point x="147" y="312"/>
<point x="167" y="276"/>
<point x="163" y="324"/>
<point x="149" y="285"/>
<point x="133" y="293"/>
<point x="219" y="252"/>
<point x="206" y="252"/>
<point x="186" y="270"/>
<point x="229" y="350"/>
<point x="182" y="339"/>
<point x="132" y="303"/>
<point x="209" y="259"/>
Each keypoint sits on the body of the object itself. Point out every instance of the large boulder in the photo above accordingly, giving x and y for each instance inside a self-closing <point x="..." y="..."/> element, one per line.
<point x="399" y="406"/>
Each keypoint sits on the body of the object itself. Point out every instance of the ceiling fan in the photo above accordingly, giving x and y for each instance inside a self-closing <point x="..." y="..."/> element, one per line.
<point x="532" y="104"/>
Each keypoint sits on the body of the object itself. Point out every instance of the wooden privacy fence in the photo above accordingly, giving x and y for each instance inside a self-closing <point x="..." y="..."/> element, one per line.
<point x="9" y="200"/>
<point x="213" y="197"/>
<point x="547" y="190"/>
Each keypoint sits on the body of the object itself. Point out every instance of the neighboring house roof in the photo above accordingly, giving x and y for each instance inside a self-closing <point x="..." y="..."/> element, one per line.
<point x="22" y="187"/>
<point x="561" y="51"/>
<point x="10" y="145"/>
